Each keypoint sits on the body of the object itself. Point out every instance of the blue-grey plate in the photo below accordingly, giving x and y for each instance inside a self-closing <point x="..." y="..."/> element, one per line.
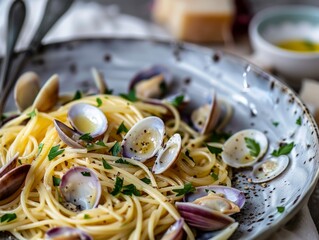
<point x="257" y="98"/>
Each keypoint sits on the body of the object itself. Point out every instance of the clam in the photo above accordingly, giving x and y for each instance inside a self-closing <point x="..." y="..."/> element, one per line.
<point x="175" y="232"/>
<point x="66" y="233"/>
<point x="205" y="118"/>
<point x="48" y="95"/>
<point x="151" y="82"/>
<point x="229" y="193"/>
<point x="203" y="218"/>
<point x="26" y="89"/>
<point x="223" y="234"/>
<point x="168" y="155"/>
<point x="244" y="148"/>
<point x="12" y="178"/>
<point x="86" y="118"/>
<point x="81" y="187"/>
<point x="99" y="81"/>
<point x="269" y="169"/>
<point x="144" y="139"/>
<point x="68" y="135"/>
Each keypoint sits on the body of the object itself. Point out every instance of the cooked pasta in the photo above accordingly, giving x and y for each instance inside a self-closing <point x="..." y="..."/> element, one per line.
<point x="39" y="205"/>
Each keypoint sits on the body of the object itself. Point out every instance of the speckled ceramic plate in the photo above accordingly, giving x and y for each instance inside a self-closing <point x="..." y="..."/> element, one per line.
<point x="258" y="100"/>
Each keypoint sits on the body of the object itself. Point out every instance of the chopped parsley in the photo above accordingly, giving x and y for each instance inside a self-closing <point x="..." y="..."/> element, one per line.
<point x="177" y="101"/>
<point x="86" y="137"/>
<point x="86" y="174"/>
<point x="115" y="150"/>
<point x="131" y="190"/>
<point x="8" y="217"/>
<point x="54" y="152"/>
<point x="108" y="91"/>
<point x="122" y="161"/>
<point x="122" y="128"/>
<point x="106" y="165"/>
<point x="32" y="114"/>
<point x="299" y="121"/>
<point x="3" y="117"/>
<point x="214" y="175"/>
<point x="163" y="87"/>
<point x="40" y="147"/>
<point x="146" y="180"/>
<point x="19" y="161"/>
<point x="214" y="150"/>
<point x="100" y="143"/>
<point x="283" y="150"/>
<point x="56" y="181"/>
<point x="253" y="146"/>
<point x="118" y="186"/>
<point x="275" y="124"/>
<point x="280" y="209"/>
<point x="187" y="153"/>
<point x="77" y="95"/>
<point x="87" y="216"/>
<point x="218" y="137"/>
<point x="188" y="188"/>
<point x="99" y="102"/>
<point x="130" y="96"/>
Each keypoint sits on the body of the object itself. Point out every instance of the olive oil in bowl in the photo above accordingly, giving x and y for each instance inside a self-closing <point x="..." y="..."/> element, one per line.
<point x="302" y="46"/>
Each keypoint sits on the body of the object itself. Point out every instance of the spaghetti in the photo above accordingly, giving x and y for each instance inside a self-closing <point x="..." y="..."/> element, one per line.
<point x="38" y="206"/>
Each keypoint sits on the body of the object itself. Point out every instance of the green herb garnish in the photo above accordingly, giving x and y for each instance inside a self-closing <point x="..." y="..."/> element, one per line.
<point x="87" y="216"/>
<point x="131" y="190"/>
<point x="218" y="137"/>
<point x="3" y="117"/>
<point x="146" y="180"/>
<point x="281" y="209"/>
<point x="163" y="87"/>
<point x="188" y="188"/>
<point x="8" y="217"/>
<point x="40" y="147"/>
<point x="214" y="150"/>
<point x="86" y="174"/>
<point x="130" y="96"/>
<point x="299" y="121"/>
<point x="115" y="149"/>
<point x="253" y="146"/>
<point x="122" y="161"/>
<point x="100" y="143"/>
<point x="106" y="165"/>
<point x="32" y="114"/>
<point x="99" y="102"/>
<point x="214" y="175"/>
<point x="77" y="95"/>
<point x="283" y="150"/>
<point x="54" y="152"/>
<point x="56" y="181"/>
<point x="108" y="91"/>
<point x="275" y="124"/>
<point x="177" y="101"/>
<point x="86" y="137"/>
<point x="118" y="186"/>
<point x="122" y="128"/>
<point x="19" y="161"/>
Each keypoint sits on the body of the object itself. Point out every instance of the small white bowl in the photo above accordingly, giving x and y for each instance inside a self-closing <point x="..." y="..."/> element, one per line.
<point x="277" y="24"/>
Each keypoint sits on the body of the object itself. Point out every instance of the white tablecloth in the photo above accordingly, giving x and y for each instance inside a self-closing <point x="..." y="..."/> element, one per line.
<point x="93" y="20"/>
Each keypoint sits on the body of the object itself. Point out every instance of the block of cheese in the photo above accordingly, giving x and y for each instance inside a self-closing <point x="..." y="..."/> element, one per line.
<point x="196" y="20"/>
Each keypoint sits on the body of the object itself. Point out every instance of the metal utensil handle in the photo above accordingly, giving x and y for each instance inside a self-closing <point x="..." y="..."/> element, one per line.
<point x="15" y="22"/>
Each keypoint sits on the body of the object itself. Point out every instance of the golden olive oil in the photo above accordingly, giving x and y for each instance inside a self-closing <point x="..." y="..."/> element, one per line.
<point x="299" y="46"/>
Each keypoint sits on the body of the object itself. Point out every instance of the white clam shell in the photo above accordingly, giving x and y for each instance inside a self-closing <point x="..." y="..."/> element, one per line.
<point x="236" y="153"/>
<point x="269" y="169"/>
<point x="168" y="155"/>
<point x="26" y="90"/>
<point x="86" y="118"/>
<point x="144" y="139"/>
<point x="205" y="118"/>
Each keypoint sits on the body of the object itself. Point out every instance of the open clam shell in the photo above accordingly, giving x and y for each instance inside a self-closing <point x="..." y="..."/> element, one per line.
<point x="144" y="139"/>
<point x="203" y="218"/>
<point x="168" y="155"/>
<point x="26" y="90"/>
<point x="175" y="232"/>
<point x="66" y="233"/>
<point x="86" y="118"/>
<point x="151" y="82"/>
<point x="232" y="194"/>
<point x="269" y="169"/>
<point x="10" y="165"/>
<point x="48" y="95"/>
<point x="81" y="187"/>
<point x="206" y="117"/>
<point x="68" y="135"/>
<point x="244" y="148"/>
<point x="99" y="81"/>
